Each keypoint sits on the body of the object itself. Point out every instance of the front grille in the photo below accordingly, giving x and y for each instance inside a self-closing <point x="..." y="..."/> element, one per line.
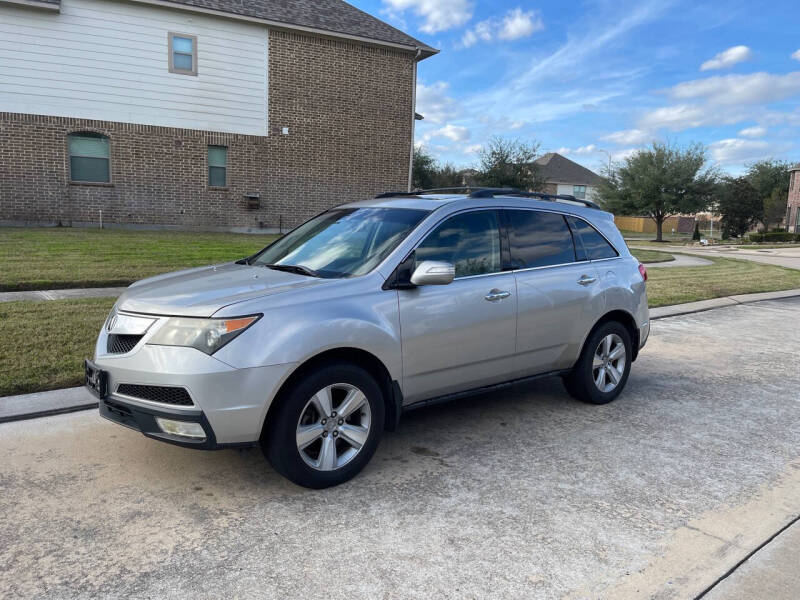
<point x="120" y="344"/>
<point x="156" y="393"/>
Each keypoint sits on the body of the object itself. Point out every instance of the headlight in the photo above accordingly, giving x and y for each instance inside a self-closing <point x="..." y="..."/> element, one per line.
<point x="207" y="335"/>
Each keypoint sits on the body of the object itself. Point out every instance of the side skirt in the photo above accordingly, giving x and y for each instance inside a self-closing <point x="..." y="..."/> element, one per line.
<point x="482" y="390"/>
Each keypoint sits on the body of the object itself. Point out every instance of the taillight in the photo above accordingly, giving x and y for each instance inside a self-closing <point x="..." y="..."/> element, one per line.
<point x="643" y="271"/>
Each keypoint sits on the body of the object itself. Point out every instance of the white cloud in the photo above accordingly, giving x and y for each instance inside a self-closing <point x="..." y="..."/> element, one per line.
<point x="628" y="136"/>
<point x="437" y="15"/>
<point x="621" y="155"/>
<point x="519" y="24"/>
<point x="727" y="90"/>
<point x="686" y="116"/>
<point x="580" y="151"/>
<point x="753" y="132"/>
<point x="473" y="149"/>
<point x="434" y="104"/>
<point x="737" y="150"/>
<point x="796" y="55"/>
<point x="457" y="133"/>
<point x="514" y="25"/>
<point x="517" y="125"/>
<point x="590" y="149"/>
<point x="728" y="58"/>
<point x="719" y="100"/>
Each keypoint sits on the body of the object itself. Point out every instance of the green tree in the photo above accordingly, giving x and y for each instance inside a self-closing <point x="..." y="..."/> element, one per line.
<point x="775" y="207"/>
<point x="696" y="235"/>
<point x="739" y="204"/>
<point x="423" y="169"/>
<point x="771" y="179"/>
<point x="659" y="182"/>
<point x="427" y="173"/>
<point x="509" y="163"/>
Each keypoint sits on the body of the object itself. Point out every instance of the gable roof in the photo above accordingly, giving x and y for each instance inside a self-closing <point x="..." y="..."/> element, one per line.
<point x="555" y="168"/>
<point x="334" y="17"/>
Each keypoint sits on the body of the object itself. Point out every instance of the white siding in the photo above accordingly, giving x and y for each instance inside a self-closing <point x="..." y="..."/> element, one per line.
<point x="106" y="60"/>
<point x="564" y="188"/>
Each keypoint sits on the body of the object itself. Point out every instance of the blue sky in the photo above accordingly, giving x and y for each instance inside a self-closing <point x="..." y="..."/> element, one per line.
<point x="604" y="77"/>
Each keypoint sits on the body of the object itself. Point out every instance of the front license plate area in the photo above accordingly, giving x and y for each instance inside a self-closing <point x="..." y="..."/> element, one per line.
<point x="96" y="380"/>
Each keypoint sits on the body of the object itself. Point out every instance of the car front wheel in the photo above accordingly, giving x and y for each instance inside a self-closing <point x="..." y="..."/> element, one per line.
<point x="326" y="426"/>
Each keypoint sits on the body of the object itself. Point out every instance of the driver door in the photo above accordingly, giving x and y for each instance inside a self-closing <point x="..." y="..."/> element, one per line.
<point x="463" y="335"/>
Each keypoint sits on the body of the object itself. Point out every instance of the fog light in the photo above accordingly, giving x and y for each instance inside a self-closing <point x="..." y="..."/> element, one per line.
<point x="182" y="428"/>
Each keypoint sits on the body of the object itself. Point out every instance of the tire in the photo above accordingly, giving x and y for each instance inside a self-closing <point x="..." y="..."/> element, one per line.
<point x="331" y="457"/>
<point x="584" y="382"/>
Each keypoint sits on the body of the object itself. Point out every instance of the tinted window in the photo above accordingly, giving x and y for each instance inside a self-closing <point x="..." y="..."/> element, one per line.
<point x="594" y="245"/>
<point x="470" y="241"/>
<point x="539" y="239"/>
<point x="343" y="242"/>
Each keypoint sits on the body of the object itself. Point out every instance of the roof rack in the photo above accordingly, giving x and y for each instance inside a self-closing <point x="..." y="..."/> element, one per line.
<point x="488" y="192"/>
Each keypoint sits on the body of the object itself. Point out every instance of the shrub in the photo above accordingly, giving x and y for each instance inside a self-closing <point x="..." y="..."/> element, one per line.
<point x="775" y="236"/>
<point x="696" y="234"/>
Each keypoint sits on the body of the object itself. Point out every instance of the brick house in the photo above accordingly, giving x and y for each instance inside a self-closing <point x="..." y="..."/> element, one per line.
<point x="564" y="176"/>
<point x="208" y="114"/>
<point x="793" y="204"/>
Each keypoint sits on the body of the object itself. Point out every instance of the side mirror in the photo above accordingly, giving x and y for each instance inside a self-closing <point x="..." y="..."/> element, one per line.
<point x="433" y="272"/>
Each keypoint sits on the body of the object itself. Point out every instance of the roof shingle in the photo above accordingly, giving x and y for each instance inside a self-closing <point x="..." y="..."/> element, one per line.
<point x="335" y="16"/>
<point x="555" y="168"/>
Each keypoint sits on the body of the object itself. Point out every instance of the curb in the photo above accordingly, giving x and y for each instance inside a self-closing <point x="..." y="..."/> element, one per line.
<point x="688" y="308"/>
<point x="56" y="402"/>
<point x="45" y="404"/>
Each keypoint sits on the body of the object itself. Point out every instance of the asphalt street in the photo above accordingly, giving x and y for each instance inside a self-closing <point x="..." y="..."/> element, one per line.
<point x="523" y="493"/>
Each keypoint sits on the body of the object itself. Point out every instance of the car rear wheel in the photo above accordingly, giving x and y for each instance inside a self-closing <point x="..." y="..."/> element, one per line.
<point x="326" y="426"/>
<point x="602" y="370"/>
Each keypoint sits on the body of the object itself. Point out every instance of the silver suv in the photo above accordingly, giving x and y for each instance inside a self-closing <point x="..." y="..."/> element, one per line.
<point x="319" y="342"/>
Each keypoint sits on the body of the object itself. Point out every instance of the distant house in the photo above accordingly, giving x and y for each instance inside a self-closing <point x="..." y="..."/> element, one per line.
<point x="793" y="204"/>
<point x="563" y="176"/>
<point x="223" y="114"/>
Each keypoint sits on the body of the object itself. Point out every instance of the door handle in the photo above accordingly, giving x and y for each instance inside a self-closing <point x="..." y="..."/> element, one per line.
<point x="495" y="295"/>
<point x="586" y="280"/>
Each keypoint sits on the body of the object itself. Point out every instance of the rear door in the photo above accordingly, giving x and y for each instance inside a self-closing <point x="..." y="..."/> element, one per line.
<point x="462" y="335"/>
<point x="559" y="297"/>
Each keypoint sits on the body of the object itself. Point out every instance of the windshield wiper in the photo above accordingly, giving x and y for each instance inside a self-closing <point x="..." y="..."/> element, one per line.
<point x="299" y="269"/>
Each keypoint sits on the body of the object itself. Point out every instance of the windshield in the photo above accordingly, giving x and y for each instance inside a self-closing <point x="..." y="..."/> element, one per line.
<point x="343" y="242"/>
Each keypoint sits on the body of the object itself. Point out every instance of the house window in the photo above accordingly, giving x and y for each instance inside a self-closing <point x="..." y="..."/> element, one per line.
<point x="579" y="191"/>
<point x="217" y="166"/>
<point x="89" y="157"/>
<point x="183" y="54"/>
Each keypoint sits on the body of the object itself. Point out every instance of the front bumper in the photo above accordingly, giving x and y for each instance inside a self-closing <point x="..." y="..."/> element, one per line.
<point x="143" y="419"/>
<point x="231" y="404"/>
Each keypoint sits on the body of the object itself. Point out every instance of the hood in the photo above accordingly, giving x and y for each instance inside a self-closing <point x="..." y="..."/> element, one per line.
<point x="202" y="292"/>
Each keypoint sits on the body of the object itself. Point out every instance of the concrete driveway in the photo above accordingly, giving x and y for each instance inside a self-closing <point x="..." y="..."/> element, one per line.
<point x="518" y="494"/>
<point x="781" y="257"/>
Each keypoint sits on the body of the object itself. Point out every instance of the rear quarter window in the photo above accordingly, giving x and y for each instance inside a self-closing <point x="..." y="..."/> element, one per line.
<point x="539" y="239"/>
<point x="589" y="243"/>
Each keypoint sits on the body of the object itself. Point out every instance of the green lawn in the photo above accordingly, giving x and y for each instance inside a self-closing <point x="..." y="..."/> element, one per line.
<point x="652" y="256"/>
<point x="726" y="277"/>
<point x="43" y="344"/>
<point x="63" y="257"/>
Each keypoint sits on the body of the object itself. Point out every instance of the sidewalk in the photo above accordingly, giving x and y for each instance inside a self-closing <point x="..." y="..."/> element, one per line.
<point x="771" y="572"/>
<point x="39" y="295"/>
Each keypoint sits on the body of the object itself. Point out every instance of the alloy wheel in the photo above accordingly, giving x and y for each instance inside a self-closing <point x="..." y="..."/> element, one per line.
<point x="609" y="362"/>
<point x="333" y="427"/>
